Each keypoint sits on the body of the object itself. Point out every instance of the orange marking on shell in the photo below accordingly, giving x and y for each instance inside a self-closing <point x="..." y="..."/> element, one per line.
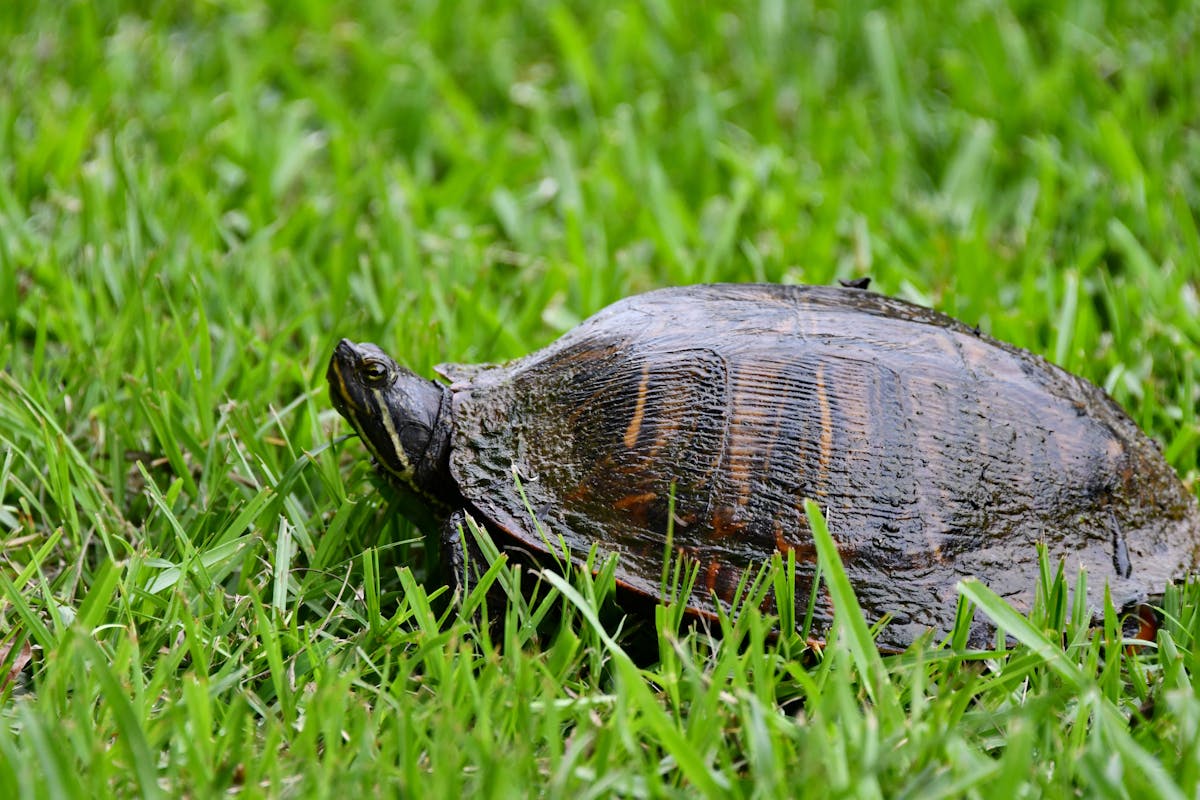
<point x="781" y="544"/>
<point x="753" y="423"/>
<point x="724" y="524"/>
<point x="635" y="424"/>
<point x="826" y="433"/>
<point x="710" y="576"/>
<point x="578" y="494"/>
<point x="740" y="475"/>
<point x="631" y="500"/>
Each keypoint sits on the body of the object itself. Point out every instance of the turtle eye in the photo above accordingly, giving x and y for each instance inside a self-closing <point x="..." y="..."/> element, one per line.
<point x="374" y="371"/>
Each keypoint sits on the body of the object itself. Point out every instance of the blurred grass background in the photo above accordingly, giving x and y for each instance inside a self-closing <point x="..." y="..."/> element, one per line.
<point x="198" y="200"/>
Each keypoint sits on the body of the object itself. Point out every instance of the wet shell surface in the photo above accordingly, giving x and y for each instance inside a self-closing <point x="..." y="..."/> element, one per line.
<point x="935" y="452"/>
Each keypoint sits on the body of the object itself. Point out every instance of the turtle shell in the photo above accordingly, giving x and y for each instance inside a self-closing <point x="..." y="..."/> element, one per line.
<point x="935" y="452"/>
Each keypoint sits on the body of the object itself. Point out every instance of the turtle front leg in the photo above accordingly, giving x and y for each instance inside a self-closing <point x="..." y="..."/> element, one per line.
<point x="460" y="554"/>
<point x="463" y="562"/>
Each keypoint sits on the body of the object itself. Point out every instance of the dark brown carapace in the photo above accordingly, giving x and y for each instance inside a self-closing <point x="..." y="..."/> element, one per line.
<point x="936" y="453"/>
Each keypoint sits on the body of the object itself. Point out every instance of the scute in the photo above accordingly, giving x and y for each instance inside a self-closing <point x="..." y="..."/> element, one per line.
<point x="935" y="452"/>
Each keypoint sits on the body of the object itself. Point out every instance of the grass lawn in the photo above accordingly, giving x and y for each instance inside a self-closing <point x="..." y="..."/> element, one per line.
<point x="200" y="595"/>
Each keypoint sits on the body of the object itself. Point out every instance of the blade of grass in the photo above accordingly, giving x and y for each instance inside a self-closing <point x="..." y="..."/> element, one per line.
<point x="848" y="615"/>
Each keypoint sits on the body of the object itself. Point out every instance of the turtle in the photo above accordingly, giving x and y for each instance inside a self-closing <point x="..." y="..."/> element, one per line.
<point x="936" y="452"/>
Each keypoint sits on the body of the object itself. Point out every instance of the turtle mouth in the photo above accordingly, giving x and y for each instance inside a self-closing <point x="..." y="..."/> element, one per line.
<point x="345" y="357"/>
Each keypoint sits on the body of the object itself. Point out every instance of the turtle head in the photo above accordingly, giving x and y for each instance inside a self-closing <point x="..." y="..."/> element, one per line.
<point x="404" y="419"/>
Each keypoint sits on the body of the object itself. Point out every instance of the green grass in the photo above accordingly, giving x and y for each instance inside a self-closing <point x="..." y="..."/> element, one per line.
<point x="199" y="595"/>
